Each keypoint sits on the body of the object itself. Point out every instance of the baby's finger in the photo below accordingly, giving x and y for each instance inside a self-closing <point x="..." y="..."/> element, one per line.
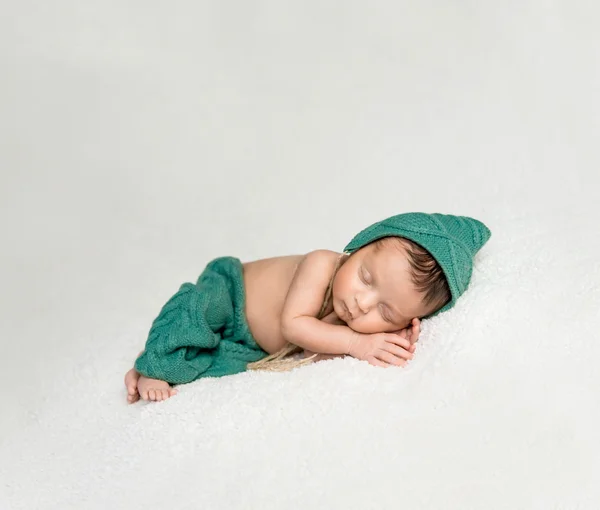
<point x="398" y="340"/>
<point x="152" y="395"/>
<point x="377" y="363"/>
<point x="398" y="352"/>
<point x="391" y="359"/>
<point x="416" y="330"/>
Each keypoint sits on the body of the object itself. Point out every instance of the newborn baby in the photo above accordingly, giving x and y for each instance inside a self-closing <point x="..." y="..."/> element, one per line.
<point x="365" y="302"/>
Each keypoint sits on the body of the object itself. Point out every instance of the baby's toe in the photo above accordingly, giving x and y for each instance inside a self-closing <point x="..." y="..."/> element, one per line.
<point x="152" y="394"/>
<point x="131" y="381"/>
<point x="133" y="398"/>
<point x="172" y="392"/>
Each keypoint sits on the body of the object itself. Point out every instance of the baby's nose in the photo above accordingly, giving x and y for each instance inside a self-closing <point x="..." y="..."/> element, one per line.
<point x="364" y="303"/>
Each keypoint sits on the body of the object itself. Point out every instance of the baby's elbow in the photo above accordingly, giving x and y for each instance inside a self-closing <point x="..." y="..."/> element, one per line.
<point x="291" y="328"/>
<point x="287" y="327"/>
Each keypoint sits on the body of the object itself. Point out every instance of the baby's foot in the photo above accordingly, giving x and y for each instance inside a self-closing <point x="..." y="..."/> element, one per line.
<point x="154" y="389"/>
<point x="131" y="382"/>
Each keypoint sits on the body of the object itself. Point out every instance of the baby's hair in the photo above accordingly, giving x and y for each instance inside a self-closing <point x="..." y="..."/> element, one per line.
<point x="426" y="275"/>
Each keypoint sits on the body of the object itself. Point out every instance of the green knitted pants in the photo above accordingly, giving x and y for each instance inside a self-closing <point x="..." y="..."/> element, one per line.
<point x="202" y="330"/>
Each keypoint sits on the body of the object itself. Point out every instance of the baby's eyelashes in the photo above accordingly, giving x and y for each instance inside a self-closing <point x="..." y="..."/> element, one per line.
<point x="364" y="276"/>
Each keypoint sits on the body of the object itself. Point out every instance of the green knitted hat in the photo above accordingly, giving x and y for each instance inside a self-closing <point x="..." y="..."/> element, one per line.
<point x="452" y="240"/>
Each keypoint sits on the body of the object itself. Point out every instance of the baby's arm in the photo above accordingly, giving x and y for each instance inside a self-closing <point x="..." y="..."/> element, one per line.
<point x="299" y="322"/>
<point x="301" y="327"/>
<point x="411" y="333"/>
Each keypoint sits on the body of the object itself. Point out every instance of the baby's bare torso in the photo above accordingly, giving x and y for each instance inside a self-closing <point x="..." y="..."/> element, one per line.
<point x="267" y="282"/>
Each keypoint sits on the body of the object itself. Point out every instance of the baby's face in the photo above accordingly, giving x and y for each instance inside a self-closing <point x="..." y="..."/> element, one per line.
<point x="373" y="291"/>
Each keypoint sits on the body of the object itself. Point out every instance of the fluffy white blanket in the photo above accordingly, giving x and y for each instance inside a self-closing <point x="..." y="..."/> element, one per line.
<point x="499" y="409"/>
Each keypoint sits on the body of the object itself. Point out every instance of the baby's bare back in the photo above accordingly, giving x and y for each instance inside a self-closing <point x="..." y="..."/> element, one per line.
<point x="267" y="282"/>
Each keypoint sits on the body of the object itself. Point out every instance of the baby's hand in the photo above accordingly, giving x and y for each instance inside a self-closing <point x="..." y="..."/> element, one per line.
<point x="411" y="333"/>
<point x="381" y="349"/>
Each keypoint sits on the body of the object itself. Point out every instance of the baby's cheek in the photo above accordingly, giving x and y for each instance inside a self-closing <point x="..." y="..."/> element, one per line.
<point x="366" y="326"/>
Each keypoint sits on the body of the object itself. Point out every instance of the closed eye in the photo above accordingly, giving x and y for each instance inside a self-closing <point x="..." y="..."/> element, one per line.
<point x="363" y="276"/>
<point x="386" y="318"/>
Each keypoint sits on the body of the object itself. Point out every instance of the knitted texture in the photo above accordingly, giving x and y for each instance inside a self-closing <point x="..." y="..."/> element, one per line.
<point x="452" y="240"/>
<point x="202" y="330"/>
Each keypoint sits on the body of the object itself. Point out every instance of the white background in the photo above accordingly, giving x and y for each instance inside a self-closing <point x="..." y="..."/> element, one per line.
<point x="138" y="140"/>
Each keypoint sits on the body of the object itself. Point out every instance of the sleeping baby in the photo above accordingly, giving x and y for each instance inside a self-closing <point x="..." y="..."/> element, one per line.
<point x="283" y="312"/>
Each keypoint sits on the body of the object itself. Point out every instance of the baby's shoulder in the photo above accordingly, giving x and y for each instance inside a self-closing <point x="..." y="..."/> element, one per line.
<point x="322" y="255"/>
<point x="323" y="261"/>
